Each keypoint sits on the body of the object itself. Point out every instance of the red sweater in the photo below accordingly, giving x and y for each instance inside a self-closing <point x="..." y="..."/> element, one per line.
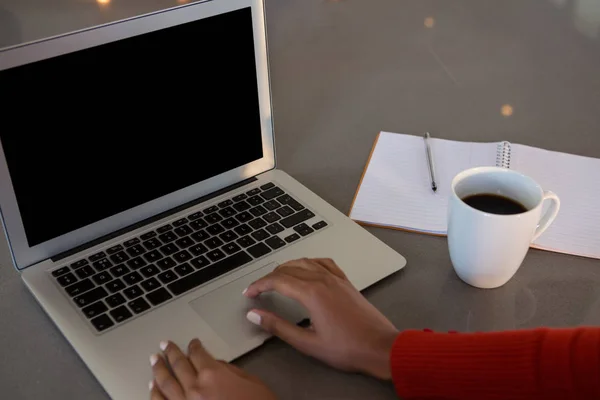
<point x="527" y="364"/>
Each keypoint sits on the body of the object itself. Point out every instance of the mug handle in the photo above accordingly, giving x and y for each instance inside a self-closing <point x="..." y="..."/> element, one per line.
<point x="549" y="216"/>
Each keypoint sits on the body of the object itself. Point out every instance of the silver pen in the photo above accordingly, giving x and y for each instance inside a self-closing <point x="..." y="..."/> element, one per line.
<point x="430" y="163"/>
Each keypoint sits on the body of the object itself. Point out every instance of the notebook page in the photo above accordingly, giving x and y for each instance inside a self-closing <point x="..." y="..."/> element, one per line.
<point x="396" y="188"/>
<point x="576" y="181"/>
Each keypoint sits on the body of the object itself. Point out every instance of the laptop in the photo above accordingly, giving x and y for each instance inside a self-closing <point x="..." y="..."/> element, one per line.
<point x="139" y="190"/>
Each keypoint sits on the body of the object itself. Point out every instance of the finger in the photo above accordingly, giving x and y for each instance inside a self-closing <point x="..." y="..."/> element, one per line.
<point x="165" y="381"/>
<point x="198" y="355"/>
<point x="331" y="266"/>
<point x="155" y="393"/>
<point x="284" y="284"/>
<point x="180" y="365"/>
<point x="302" y="339"/>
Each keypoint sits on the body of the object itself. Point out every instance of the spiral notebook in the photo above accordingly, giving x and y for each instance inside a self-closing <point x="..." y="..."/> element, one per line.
<point x="395" y="189"/>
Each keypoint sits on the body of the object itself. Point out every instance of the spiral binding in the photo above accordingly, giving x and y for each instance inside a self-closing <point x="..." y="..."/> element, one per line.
<point x="503" y="155"/>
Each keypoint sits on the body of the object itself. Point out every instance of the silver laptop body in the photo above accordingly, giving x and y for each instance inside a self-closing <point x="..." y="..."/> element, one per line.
<point x="136" y="214"/>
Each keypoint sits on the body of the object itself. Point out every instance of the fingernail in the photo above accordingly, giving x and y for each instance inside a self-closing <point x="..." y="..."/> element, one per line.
<point x="163" y="345"/>
<point x="150" y="385"/>
<point x="253" y="317"/>
<point x="153" y="359"/>
<point x="244" y="291"/>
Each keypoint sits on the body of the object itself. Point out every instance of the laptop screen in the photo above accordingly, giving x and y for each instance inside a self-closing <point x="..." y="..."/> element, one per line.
<point x="93" y="133"/>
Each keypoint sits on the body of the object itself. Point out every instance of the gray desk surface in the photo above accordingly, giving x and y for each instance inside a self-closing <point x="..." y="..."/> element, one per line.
<point x="342" y="71"/>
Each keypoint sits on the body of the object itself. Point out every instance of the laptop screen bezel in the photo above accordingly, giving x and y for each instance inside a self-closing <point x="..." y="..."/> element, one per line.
<point x="22" y="254"/>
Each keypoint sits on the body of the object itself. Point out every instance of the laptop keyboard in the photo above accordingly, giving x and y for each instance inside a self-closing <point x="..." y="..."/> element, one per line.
<point x="113" y="285"/>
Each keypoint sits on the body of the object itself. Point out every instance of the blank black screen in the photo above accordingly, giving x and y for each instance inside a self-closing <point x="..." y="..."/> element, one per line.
<point x="92" y="133"/>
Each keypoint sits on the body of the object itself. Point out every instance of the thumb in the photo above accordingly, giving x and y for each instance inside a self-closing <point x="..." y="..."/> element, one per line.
<point x="302" y="339"/>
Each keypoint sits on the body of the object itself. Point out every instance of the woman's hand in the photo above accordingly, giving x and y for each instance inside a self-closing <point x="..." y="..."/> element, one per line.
<point x="347" y="332"/>
<point x="198" y="376"/>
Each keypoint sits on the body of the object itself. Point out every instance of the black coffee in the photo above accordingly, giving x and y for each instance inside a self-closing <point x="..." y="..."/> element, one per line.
<point x="494" y="204"/>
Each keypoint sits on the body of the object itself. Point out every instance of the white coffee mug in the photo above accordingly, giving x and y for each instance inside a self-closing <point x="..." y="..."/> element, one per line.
<point x="487" y="249"/>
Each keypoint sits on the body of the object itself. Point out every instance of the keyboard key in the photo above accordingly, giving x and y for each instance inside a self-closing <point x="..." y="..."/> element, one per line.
<point x="272" y="205"/>
<point x="66" y="279"/>
<point x="245" y="241"/>
<point x="215" y="255"/>
<point x="94" y="257"/>
<point x="167" y="237"/>
<point x="90" y="297"/>
<point x="200" y="262"/>
<point x="114" y="249"/>
<point x="182" y="256"/>
<point x="138" y="305"/>
<point x="244" y="217"/>
<point x="297" y="218"/>
<point x="209" y="273"/>
<point x="240" y="197"/>
<point x="215" y="229"/>
<point x="102" y="278"/>
<point x="198" y="249"/>
<point x="272" y="193"/>
<point x="211" y="210"/>
<point x="119" y="270"/>
<point x="149" y="271"/>
<point x="213" y="243"/>
<point x="285" y="211"/>
<point x="274" y="228"/>
<point x="117" y="258"/>
<point x="258" y="211"/>
<point x="260" y="234"/>
<point x="179" y="222"/>
<point x="133" y="292"/>
<point x="137" y="262"/>
<point x="230" y="223"/>
<point x="164" y="228"/>
<point x="227" y="212"/>
<point x="243" y="230"/>
<point x="150" y="284"/>
<point x="303" y="229"/>
<point x="256" y="200"/>
<point x="169" y="249"/>
<point x="120" y="314"/>
<point x="132" y="278"/>
<point x="225" y="203"/>
<point x="166" y="263"/>
<point x="167" y="276"/>
<point x="319" y="225"/>
<point x="136" y="250"/>
<point x="79" y="263"/>
<point x="115" y="300"/>
<point x="95" y="309"/>
<point x="184" y="269"/>
<point x="131" y="242"/>
<point x="148" y="235"/>
<point x="60" y="271"/>
<point x="257" y="223"/>
<point x="184" y="242"/>
<point x="231" y="248"/>
<point x="292" y="238"/>
<point x="195" y="216"/>
<point x="79" y="287"/>
<point x="200" y="236"/>
<point x="158" y="296"/>
<point x="271" y="217"/>
<point x="253" y="192"/>
<point x="183" y="231"/>
<point x="275" y="242"/>
<point x="102" y="265"/>
<point x="228" y="236"/>
<point x="267" y="186"/>
<point x="102" y="322"/>
<point x="153" y="256"/>
<point x="212" y="218"/>
<point x="152" y="243"/>
<point x="115" y="285"/>
<point x="258" y="250"/>
<point x="198" y="224"/>
<point x="241" y="206"/>
<point x="285" y="199"/>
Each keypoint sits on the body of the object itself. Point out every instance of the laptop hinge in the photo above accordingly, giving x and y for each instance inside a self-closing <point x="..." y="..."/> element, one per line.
<point x="150" y="220"/>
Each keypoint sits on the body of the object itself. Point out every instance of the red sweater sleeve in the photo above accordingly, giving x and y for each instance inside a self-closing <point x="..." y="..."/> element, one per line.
<point x="524" y="364"/>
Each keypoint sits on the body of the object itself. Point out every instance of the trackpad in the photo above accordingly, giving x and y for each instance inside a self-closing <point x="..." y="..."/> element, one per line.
<point x="225" y="308"/>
